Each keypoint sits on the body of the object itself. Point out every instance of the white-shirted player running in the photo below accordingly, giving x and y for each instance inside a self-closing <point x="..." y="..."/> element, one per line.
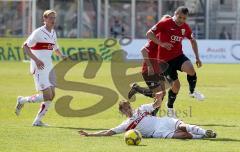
<point x="153" y="126"/>
<point x="39" y="46"/>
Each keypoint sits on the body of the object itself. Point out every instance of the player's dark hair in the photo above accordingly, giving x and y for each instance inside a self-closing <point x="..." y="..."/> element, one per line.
<point x="183" y="10"/>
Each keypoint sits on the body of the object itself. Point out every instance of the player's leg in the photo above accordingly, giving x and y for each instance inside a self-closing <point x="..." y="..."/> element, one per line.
<point x="173" y="91"/>
<point x="196" y="131"/>
<point x="182" y="135"/>
<point x="135" y="88"/>
<point x="154" y="85"/>
<point x="188" y="68"/>
<point x="48" y="80"/>
<point x="48" y="95"/>
<point x="36" y="98"/>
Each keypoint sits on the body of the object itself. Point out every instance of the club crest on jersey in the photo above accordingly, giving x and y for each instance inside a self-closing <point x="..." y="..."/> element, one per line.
<point x="183" y="31"/>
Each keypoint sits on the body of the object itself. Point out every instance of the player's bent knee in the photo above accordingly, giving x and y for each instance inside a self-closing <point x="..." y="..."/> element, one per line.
<point x="182" y="135"/>
<point x="191" y="73"/>
<point x="182" y="127"/>
<point x="176" y="86"/>
<point x="48" y="96"/>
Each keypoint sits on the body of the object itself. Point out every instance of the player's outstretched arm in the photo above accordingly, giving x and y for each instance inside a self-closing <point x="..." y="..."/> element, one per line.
<point x="158" y="99"/>
<point x="100" y="133"/>
<point x="195" y="50"/>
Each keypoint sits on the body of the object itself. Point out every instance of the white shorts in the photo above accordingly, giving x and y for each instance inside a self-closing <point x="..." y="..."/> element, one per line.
<point x="166" y="127"/>
<point x="44" y="79"/>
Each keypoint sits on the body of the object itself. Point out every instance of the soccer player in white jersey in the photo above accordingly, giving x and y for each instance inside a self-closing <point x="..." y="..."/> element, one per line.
<point x="153" y="126"/>
<point x="39" y="46"/>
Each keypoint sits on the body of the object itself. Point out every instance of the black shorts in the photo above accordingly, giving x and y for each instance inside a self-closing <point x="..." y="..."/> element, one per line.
<point x="152" y="81"/>
<point x="174" y="65"/>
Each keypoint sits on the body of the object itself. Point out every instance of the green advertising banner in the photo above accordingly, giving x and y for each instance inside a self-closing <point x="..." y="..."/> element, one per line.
<point x="76" y="49"/>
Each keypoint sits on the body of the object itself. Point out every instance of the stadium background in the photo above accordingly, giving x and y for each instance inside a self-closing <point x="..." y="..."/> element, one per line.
<point x="215" y="23"/>
<point x="85" y="26"/>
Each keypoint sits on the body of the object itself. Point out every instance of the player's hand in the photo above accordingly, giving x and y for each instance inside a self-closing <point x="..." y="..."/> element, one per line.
<point x="64" y="57"/>
<point x="159" y="95"/>
<point x="40" y="64"/>
<point x="82" y="133"/>
<point x="150" y="70"/>
<point x="198" y="62"/>
<point x="166" y="45"/>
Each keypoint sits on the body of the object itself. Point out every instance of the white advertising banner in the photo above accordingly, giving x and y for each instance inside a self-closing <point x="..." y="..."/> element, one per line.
<point x="211" y="51"/>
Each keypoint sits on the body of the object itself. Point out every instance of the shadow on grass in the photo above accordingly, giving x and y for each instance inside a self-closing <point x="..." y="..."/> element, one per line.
<point x="140" y="145"/>
<point x="220" y="125"/>
<point x="222" y="139"/>
<point x="77" y="128"/>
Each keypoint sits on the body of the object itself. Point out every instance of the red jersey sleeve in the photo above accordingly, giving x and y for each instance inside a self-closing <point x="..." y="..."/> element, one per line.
<point x="189" y="33"/>
<point x="159" y="27"/>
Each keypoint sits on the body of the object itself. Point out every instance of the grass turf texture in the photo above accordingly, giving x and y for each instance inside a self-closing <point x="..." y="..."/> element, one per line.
<point x="220" y="112"/>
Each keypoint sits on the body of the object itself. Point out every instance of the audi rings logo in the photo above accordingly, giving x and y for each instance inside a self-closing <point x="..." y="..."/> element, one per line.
<point x="235" y="51"/>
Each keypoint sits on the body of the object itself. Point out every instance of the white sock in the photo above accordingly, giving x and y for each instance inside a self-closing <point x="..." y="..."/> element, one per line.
<point x="32" y="99"/>
<point x="194" y="136"/>
<point x="195" y="130"/>
<point x="43" y="109"/>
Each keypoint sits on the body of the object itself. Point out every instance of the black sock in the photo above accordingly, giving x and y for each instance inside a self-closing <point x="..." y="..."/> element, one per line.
<point x="154" y="112"/>
<point x="192" y="80"/>
<point x="145" y="91"/>
<point x="171" y="98"/>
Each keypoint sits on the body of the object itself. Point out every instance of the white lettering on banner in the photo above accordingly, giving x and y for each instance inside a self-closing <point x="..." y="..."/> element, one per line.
<point x="216" y="50"/>
<point x="210" y="51"/>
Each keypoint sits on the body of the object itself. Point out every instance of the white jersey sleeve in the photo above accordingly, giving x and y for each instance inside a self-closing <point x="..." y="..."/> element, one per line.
<point x="56" y="46"/>
<point x="121" y="128"/>
<point x="146" y="108"/>
<point x="32" y="39"/>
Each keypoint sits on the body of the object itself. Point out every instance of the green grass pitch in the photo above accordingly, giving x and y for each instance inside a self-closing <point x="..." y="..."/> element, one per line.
<point x="220" y="111"/>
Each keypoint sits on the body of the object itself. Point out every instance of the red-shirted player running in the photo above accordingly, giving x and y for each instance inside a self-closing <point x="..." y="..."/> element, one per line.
<point x="168" y="35"/>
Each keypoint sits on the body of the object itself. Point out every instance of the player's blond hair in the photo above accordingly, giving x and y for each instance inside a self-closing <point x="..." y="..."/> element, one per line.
<point x="48" y="12"/>
<point x="165" y="16"/>
<point x="122" y="104"/>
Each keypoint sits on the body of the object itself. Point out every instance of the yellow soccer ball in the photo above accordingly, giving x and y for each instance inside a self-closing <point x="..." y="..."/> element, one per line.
<point x="132" y="137"/>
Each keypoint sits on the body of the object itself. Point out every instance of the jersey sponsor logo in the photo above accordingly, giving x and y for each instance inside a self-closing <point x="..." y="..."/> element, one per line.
<point x="176" y="38"/>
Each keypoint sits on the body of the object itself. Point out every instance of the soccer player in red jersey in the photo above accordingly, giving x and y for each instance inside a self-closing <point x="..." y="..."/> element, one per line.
<point x="152" y="73"/>
<point x="168" y="35"/>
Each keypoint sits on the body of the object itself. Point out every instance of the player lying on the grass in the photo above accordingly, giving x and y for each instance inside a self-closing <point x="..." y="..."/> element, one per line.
<point x="153" y="126"/>
<point x="39" y="47"/>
